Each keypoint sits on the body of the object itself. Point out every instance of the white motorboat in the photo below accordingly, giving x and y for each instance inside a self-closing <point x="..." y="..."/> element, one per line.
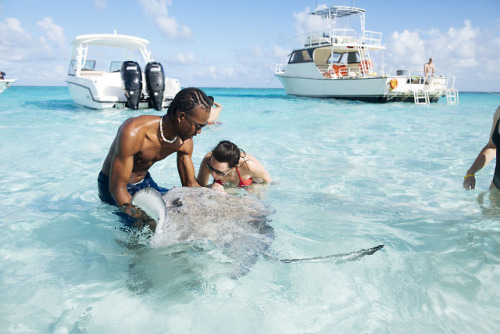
<point x="5" y="83"/>
<point x="336" y="62"/>
<point x="124" y="77"/>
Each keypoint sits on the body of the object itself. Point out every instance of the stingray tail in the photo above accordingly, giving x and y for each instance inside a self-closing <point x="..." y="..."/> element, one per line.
<point x="339" y="258"/>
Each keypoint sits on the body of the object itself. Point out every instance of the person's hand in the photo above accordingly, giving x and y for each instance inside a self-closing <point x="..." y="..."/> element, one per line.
<point x="470" y="182"/>
<point x="142" y="219"/>
<point x="218" y="188"/>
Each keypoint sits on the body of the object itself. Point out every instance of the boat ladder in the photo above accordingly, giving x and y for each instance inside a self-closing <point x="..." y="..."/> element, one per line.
<point x="452" y="96"/>
<point x="421" y="97"/>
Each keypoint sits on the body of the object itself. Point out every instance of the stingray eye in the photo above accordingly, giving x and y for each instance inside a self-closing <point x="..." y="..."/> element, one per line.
<point x="177" y="202"/>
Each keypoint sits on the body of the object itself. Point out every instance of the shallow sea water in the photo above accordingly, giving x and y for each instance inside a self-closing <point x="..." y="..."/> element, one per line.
<point x="347" y="176"/>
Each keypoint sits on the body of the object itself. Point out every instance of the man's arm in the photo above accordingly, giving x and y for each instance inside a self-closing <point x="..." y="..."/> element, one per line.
<point x="127" y="144"/>
<point x="185" y="164"/>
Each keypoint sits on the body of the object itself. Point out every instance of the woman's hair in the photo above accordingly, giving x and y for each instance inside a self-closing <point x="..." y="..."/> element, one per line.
<point x="225" y="151"/>
<point x="188" y="99"/>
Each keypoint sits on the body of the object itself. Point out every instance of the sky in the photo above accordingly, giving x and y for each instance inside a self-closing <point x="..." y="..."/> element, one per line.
<point x="222" y="43"/>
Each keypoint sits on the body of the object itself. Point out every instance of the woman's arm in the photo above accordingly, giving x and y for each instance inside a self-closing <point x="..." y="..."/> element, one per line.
<point x="203" y="172"/>
<point x="483" y="158"/>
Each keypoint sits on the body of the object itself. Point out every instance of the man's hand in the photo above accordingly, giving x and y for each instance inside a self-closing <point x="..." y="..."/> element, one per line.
<point x="142" y="219"/>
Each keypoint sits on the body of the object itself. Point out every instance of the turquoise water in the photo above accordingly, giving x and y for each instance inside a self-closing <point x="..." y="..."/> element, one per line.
<point x="347" y="175"/>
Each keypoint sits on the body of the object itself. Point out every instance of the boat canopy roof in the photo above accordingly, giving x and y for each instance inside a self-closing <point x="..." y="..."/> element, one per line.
<point x="111" y="40"/>
<point x="338" y="11"/>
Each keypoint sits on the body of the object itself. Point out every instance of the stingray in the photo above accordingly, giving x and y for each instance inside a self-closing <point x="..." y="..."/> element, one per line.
<point x="237" y="224"/>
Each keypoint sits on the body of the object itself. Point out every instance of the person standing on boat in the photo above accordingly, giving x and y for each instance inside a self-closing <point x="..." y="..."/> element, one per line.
<point x="485" y="156"/>
<point x="143" y="140"/>
<point x="429" y="69"/>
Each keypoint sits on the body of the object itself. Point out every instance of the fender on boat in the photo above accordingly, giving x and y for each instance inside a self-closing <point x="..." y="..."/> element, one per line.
<point x="155" y="84"/>
<point x="132" y="83"/>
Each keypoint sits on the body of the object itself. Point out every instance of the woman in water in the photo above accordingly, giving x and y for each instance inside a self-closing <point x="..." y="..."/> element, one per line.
<point x="229" y="164"/>
<point x="485" y="156"/>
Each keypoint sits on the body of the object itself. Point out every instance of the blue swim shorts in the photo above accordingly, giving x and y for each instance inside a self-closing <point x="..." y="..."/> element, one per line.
<point x="105" y="195"/>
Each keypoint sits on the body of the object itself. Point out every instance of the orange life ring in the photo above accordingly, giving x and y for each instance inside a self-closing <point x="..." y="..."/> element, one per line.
<point x="365" y="66"/>
<point x="393" y="83"/>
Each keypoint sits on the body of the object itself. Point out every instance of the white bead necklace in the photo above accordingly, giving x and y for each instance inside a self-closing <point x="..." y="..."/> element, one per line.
<point x="162" y="135"/>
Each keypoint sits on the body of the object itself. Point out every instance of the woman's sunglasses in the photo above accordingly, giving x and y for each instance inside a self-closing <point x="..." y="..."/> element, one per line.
<point x="218" y="172"/>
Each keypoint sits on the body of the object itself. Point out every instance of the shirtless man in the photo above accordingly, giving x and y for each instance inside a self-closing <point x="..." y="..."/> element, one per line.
<point x="143" y="140"/>
<point x="429" y="68"/>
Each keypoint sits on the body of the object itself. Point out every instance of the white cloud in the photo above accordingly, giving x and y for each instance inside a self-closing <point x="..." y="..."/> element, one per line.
<point x="53" y="32"/>
<point x="158" y="10"/>
<point x="464" y="52"/>
<point x="304" y="23"/>
<point x="184" y="59"/>
<point x="100" y="4"/>
<point x="23" y="54"/>
<point x="256" y="51"/>
<point x="280" y="52"/>
<point x="455" y="48"/>
<point x="12" y="33"/>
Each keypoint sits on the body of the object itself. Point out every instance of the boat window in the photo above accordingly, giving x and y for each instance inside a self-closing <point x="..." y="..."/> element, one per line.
<point x="353" y="57"/>
<point x="335" y="58"/>
<point x="300" y="56"/>
<point x="115" y="66"/>
<point x="89" y="65"/>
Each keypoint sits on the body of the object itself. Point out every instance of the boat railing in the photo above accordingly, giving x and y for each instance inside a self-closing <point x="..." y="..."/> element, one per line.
<point x="372" y="38"/>
<point x="279" y="68"/>
<point x="332" y="36"/>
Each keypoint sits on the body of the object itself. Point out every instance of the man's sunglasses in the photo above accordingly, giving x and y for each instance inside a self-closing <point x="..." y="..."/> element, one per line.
<point x="218" y="172"/>
<point x="198" y="126"/>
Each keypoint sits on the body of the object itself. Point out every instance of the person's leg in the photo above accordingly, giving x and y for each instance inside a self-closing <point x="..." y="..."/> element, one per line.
<point x="103" y="189"/>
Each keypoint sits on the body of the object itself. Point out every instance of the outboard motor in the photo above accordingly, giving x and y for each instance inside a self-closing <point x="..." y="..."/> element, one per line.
<point x="155" y="84"/>
<point x="132" y="83"/>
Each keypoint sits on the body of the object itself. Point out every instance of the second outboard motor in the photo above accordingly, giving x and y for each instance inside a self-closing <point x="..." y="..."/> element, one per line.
<point x="132" y="83"/>
<point x="155" y="84"/>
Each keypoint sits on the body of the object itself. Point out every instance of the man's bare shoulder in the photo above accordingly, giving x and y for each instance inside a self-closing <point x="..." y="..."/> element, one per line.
<point x="140" y="120"/>
<point x="138" y="124"/>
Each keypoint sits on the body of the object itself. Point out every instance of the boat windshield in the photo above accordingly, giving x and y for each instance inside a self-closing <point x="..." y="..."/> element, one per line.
<point x="116" y="66"/>
<point x="88" y="66"/>
<point x="344" y="58"/>
<point x="301" y="56"/>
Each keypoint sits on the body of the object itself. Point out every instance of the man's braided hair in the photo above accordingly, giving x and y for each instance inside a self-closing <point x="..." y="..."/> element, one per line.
<point x="187" y="100"/>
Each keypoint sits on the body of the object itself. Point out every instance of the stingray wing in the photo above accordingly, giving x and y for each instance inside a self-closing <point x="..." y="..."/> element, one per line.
<point x="151" y="202"/>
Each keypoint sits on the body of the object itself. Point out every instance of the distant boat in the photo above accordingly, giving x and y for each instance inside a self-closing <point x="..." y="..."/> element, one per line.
<point x="336" y="62"/>
<point x="126" y="76"/>
<point x="5" y="83"/>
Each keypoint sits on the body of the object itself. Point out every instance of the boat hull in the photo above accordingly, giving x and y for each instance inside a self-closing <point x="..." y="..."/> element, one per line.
<point x="107" y="92"/>
<point x="368" y="89"/>
<point x="4" y="84"/>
